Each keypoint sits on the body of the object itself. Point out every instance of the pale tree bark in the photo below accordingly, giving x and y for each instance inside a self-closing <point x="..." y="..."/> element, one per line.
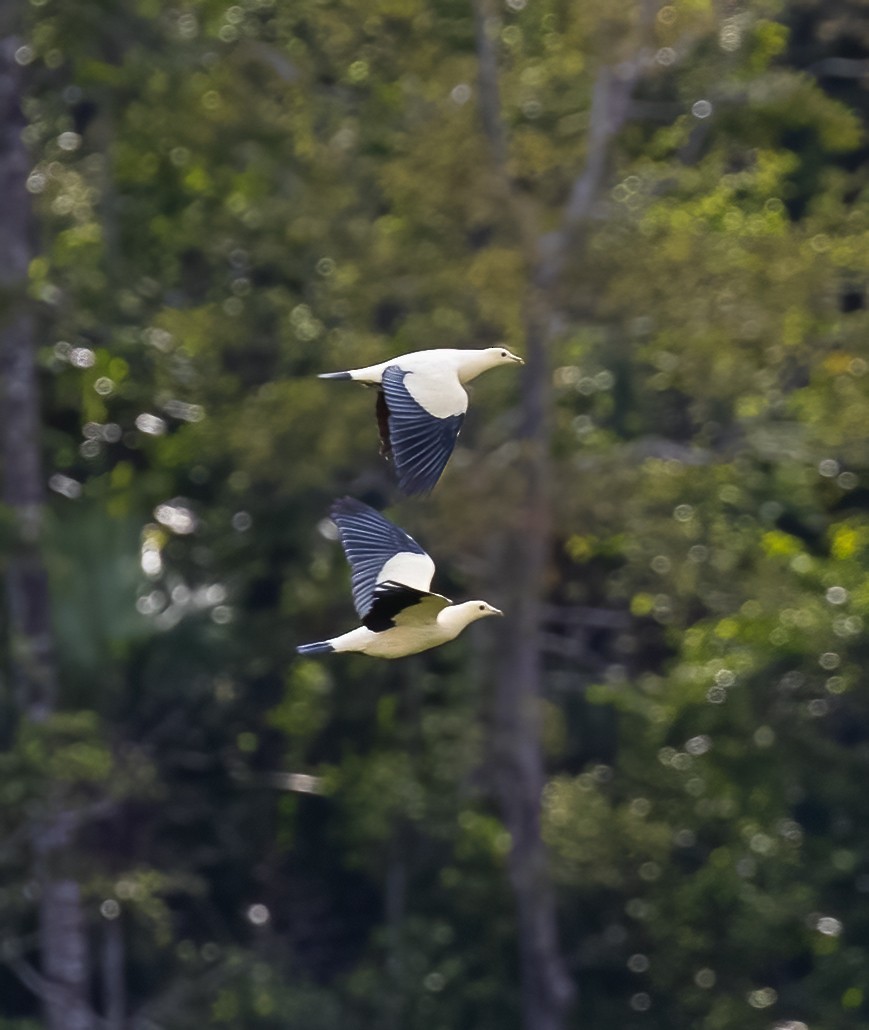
<point x="32" y="668"/>
<point x="114" y="986"/>
<point x="547" y="989"/>
<point x="63" y="982"/>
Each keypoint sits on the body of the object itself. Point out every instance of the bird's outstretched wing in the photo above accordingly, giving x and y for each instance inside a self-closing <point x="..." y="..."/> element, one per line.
<point x="419" y="442"/>
<point x="378" y="551"/>
<point x="395" y="604"/>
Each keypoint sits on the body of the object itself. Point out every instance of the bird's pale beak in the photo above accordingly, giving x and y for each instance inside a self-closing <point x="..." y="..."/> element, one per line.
<point x="517" y="358"/>
<point x="495" y="611"/>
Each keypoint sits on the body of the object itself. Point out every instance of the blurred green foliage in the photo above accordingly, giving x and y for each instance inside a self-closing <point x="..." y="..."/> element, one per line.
<point x="232" y="198"/>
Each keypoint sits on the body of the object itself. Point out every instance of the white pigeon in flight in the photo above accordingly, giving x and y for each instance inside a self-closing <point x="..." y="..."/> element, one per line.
<point x="390" y="579"/>
<point x="421" y="405"/>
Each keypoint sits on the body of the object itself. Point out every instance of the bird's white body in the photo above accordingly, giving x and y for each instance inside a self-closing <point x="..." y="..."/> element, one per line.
<point x="390" y="579"/>
<point x="421" y="405"/>
<point x="402" y="640"/>
<point x="436" y="376"/>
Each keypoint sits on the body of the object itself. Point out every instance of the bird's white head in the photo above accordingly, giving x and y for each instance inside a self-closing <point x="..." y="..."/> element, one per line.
<point x="473" y="610"/>
<point x="502" y="356"/>
<point x="457" y="617"/>
<point x="473" y="362"/>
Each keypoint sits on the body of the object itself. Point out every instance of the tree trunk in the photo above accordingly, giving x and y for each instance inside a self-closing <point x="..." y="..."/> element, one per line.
<point x="547" y="990"/>
<point x="518" y="767"/>
<point x="64" y="954"/>
<point x="114" y="987"/>
<point x="517" y="757"/>
<point x="62" y="936"/>
<point x="26" y="588"/>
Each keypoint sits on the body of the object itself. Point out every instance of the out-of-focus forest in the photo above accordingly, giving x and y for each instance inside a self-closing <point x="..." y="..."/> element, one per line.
<point x="640" y="801"/>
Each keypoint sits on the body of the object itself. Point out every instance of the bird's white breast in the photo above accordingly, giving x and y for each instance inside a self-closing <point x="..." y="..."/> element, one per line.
<point x="404" y="640"/>
<point x="433" y="382"/>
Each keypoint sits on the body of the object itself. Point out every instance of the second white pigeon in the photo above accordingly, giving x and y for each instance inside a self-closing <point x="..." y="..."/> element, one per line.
<point x="421" y="405"/>
<point x="390" y="579"/>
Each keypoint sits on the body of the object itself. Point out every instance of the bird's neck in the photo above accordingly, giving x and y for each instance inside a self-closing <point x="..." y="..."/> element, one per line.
<point x="455" y="618"/>
<point x="471" y="363"/>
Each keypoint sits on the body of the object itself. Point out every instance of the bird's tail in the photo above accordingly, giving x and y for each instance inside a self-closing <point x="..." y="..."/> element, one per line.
<point x="321" y="647"/>
<point x="335" y="375"/>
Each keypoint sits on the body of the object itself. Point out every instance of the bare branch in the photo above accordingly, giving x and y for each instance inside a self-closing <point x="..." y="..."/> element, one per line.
<point x="572" y="648"/>
<point x="486" y="24"/>
<point x="47" y="991"/>
<point x="840" y="68"/>
<point x="610" y="105"/>
<point x="583" y="615"/>
<point x="35" y="982"/>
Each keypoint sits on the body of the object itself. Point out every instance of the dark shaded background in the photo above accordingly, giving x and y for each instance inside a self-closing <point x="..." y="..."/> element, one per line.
<point x="644" y="804"/>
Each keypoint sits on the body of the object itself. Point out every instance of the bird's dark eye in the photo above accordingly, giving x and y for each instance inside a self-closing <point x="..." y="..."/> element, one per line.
<point x="503" y="354"/>
<point x="482" y="607"/>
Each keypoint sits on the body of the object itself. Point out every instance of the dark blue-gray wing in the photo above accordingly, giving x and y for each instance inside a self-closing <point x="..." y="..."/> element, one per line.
<point x="378" y="550"/>
<point x="420" y="443"/>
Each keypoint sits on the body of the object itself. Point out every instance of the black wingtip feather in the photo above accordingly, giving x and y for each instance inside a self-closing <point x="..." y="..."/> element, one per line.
<point x="334" y="375"/>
